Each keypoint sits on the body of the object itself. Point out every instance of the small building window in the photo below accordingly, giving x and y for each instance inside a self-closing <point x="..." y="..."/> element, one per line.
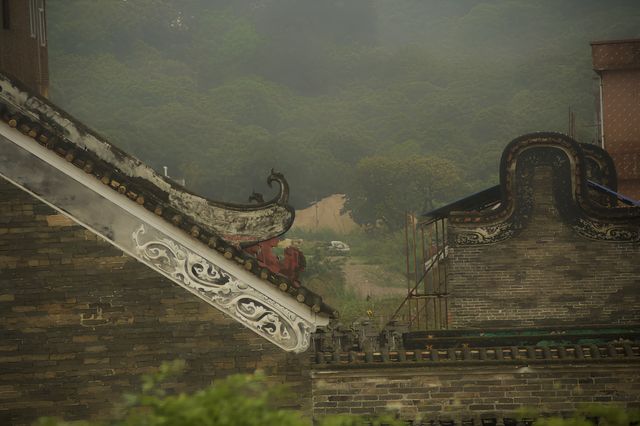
<point x="6" y="19"/>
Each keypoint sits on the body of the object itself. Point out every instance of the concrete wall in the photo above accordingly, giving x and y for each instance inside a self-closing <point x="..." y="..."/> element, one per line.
<point x="81" y="322"/>
<point x="471" y="392"/>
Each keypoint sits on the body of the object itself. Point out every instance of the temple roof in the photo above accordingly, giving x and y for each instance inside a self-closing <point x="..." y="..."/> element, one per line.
<point x="585" y="189"/>
<point x="61" y="147"/>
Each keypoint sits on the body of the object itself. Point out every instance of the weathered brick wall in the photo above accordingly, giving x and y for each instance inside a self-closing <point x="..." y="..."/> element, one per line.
<point x="471" y="392"/>
<point x="81" y="322"/>
<point x="546" y="275"/>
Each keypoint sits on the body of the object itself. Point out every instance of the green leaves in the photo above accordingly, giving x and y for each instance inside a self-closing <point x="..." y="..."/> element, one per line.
<point x="607" y="415"/>
<point x="236" y="400"/>
<point x="222" y="91"/>
<point x="384" y="188"/>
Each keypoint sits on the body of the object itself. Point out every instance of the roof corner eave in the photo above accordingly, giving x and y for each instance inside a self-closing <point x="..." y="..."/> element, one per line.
<point x="189" y="253"/>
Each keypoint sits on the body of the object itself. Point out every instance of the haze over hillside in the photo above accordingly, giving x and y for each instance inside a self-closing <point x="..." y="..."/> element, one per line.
<point x="222" y="91"/>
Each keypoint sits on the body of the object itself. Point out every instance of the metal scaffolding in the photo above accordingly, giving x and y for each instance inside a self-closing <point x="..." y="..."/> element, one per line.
<point x="426" y="305"/>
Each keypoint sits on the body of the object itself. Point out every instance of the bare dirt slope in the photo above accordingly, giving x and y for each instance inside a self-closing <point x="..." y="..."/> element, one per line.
<point x="325" y="214"/>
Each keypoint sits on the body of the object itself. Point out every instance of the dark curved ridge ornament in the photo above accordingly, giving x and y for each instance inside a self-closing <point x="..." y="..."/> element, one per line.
<point x="573" y="164"/>
<point x="241" y="224"/>
<point x="600" y="166"/>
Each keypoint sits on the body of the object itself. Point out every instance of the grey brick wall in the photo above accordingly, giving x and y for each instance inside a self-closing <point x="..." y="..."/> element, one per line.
<point x="81" y="322"/>
<point x="470" y="392"/>
<point x="545" y="275"/>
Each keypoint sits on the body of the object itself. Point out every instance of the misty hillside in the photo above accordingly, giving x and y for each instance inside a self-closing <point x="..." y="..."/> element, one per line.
<point x="337" y="94"/>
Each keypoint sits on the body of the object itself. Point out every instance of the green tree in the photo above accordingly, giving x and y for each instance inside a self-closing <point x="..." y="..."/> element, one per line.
<point x="384" y="188"/>
<point x="606" y="415"/>
<point x="236" y="87"/>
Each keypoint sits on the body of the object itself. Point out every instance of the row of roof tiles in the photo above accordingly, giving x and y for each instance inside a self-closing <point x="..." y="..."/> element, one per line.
<point x="111" y="177"/>
<point x="615" y="351"/>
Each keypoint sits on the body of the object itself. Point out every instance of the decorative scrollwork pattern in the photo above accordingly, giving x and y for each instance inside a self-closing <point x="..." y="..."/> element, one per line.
<point x="484" y="234"/>
<point x="589" y="213"/>
<point x="224" y="291"/>
<point x="606" y="231"/>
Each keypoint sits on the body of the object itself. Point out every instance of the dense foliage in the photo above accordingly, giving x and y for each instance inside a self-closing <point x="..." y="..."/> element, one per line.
<point x="384" y="188"/>
<point x="326" y="273"/>
<point x="594" y="414"/>
<point x="221" y="91"/>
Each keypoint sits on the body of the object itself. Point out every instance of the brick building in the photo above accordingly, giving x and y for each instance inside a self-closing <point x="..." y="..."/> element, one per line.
<point x="107" y="269"/>
<point x="526" y="295"/>
<point x="617" y="62"/>
<point x="82" y="321"/>
<point x="23" y="43"/>
<point x="572" y="251"/>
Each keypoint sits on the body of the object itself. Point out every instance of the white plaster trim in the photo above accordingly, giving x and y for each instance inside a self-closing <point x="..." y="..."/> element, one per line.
<point x="135" y="209"/>
<point x="300" y="319"/>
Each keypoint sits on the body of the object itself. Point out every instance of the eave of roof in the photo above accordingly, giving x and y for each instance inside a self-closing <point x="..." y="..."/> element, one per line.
<point x="140" y="191"/>
<point x="478" y="201"/>
<point x="617" y="41"/>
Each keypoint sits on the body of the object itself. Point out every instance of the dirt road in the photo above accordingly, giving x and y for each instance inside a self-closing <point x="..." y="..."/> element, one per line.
<point x="373" y="280"/>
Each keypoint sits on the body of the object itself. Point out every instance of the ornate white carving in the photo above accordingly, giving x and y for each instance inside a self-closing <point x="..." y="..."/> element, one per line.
<point x="224" y="291"/>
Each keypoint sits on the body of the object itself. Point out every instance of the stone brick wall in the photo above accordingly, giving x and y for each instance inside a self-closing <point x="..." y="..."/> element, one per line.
<point x="471" y="392"/>
<point x="545" y="275"/>
<point x="81" y="322"/>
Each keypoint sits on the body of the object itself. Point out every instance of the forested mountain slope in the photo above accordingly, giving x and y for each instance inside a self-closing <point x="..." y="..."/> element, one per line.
<point x="336" y="94"/>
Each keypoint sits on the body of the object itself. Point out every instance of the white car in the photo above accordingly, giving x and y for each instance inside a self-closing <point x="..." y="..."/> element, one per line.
<point x="339" y="246"/>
